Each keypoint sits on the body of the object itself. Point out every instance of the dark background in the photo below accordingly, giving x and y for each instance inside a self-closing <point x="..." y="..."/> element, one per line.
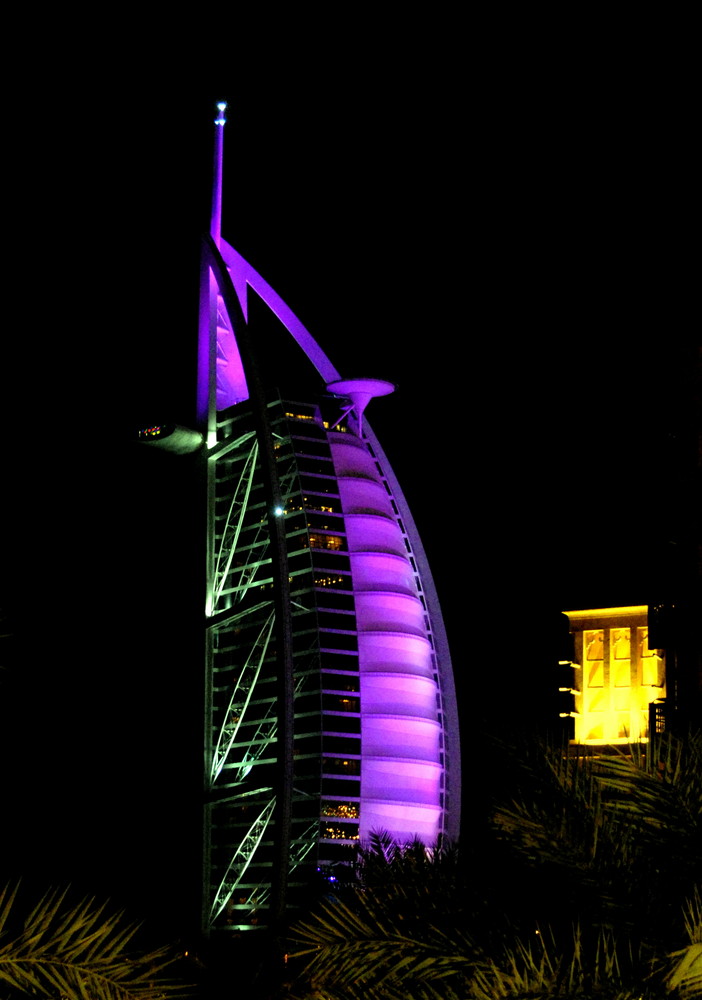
<point x="508" y="241"/>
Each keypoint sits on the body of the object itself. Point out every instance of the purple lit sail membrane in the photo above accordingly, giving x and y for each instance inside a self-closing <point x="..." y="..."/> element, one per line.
<point x="408" y="714"/>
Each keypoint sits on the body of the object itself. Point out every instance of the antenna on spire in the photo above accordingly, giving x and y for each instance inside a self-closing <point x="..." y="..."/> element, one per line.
<point x="216" y="217"/>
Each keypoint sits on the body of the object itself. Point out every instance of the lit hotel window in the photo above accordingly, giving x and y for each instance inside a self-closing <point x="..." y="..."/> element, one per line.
<point x="349" y="832"/>
<point x="329" y="581"/>
<point x="341" y="810"/>
<point x="299" y="416"/>
<point x="318" y="541"/>
<point x="617" y="675"/>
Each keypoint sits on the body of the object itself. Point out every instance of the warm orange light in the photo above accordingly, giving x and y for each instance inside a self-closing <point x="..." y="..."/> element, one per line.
<point x="617" y="675"/>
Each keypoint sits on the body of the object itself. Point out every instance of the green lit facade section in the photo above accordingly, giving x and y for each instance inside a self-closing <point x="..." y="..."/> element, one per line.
<point x="243" y="744"/>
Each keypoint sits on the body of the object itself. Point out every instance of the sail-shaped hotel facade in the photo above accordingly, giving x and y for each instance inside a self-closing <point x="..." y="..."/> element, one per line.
<point x="330" y="710"/>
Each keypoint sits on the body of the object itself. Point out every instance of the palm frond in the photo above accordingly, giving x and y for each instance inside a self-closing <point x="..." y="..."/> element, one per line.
<point x="539" y="969"/>
<point x="379" y="942"/>
<point x="658" y="786"/>
<point x="77" y="951"/>
<point x="684" y="977"/>
<point x="620" y="831"/>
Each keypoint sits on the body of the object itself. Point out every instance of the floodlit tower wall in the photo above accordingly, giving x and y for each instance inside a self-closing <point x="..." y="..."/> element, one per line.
<point x="401" y="773"/>
<point x="330" y="707"/>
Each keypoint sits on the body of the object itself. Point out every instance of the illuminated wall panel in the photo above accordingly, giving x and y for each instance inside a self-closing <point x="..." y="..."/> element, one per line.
<point x="352" y="459"/>
<point x="394" y="728"/>
<point x="373" y="533"/>
<point x="421" y="820"/>
<point x="360" y="496"/>
<point x="380" y="611"/>
<point x="373" y="571"/>
<point x="400" y="694"/>
<point x="407" y="737"/>
<point x="401" y="653"/>
<point x="407" y="781"/>
<point x="617" y="675"/>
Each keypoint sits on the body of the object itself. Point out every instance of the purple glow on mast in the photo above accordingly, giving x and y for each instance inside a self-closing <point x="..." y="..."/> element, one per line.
<point x="217" y="336"/>
<point x="221" y="381"/>
<point x="243" y="277"/>
<point x="231" y="383"/>
<point x="216" y="216"/>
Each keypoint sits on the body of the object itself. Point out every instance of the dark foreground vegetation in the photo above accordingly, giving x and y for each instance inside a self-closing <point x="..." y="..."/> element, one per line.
<point x="582" y="879"/>
<point x="579" y="876"/>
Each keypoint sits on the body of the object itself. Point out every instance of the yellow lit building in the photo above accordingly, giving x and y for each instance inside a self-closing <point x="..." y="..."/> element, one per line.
<point x="618" y="679"/>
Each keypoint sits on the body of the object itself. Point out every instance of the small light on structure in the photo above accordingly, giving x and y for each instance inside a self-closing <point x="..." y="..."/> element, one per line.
<point x="278" y="511"/>
<point x="171" y="437"/>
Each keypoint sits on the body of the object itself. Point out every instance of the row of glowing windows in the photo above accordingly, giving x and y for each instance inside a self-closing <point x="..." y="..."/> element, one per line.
<point x="313" y="419"/>
<point x="318" y="541"/>
<point x="347" y="704"/>
<point x="338" y="765"/>
<point x="339" y="833"/>
<point x="319" y="581"/>
<point x="341" y="810"/>
<point x="151" y="432"/>
<point x="308" y="506"/>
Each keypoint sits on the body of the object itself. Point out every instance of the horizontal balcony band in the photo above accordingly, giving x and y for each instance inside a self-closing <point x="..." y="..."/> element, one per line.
<point x="385" y="758"/>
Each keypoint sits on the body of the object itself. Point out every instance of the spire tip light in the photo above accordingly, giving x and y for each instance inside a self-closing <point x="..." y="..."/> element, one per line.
<point x="221" y="107"/>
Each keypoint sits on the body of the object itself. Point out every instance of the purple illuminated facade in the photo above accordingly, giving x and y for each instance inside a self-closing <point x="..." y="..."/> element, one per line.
<point x="330" y="706"/>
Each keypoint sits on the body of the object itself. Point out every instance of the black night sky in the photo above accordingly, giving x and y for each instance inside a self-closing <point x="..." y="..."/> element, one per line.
<point x="510" y="248"/>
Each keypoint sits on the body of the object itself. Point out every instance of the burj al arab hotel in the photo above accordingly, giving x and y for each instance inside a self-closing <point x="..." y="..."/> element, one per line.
<point x="330" y="710"/>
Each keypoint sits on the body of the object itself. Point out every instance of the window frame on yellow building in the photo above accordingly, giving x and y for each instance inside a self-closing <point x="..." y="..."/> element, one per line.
<point x="608" y="710"/>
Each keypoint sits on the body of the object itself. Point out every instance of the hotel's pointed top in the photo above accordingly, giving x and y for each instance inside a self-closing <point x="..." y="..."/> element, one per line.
<point x="216" y="217"/>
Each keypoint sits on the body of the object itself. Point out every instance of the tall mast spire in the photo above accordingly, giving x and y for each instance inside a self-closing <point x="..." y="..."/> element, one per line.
<point x="216" y="217"/>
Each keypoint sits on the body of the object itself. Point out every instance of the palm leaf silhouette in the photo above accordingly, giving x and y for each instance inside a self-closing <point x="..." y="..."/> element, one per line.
<point x="76" y="952"/>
